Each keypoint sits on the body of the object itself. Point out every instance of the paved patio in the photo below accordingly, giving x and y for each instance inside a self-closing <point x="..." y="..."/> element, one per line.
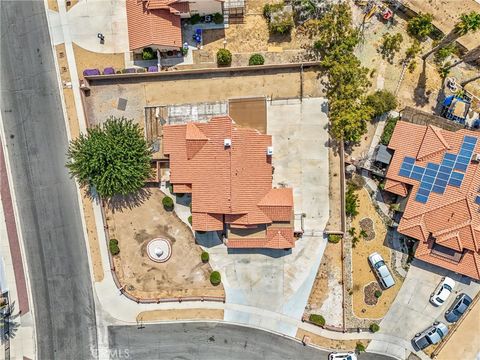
<point x="272" y="279"/>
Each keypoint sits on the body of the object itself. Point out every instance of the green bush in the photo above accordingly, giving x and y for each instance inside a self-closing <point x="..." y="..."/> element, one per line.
<point x="224" y="57"/>
<point x="317" y="319"/>
<point x="374" y="327"/>
<point x="388" y="130"/>
<point x="381" y="101"/>
<point x="190" y="219"/>
<point x="205" y="256"/>
<point x="444" y="52"/>
<point x="148" y="54"/>
<point x="195" y="19"/>
<point x="334" y="239"/>
<point x="351" y="202"/>
<point x="167" y="203"/>
<point x="268" y="9"/>
<point x="113" y="246"/>
<point x="218" y="18"/>
<point x="359" y="347"/>
<point x="256" y="59"/>
<point x="377" y="293"/>
<point x="215" y="278"/>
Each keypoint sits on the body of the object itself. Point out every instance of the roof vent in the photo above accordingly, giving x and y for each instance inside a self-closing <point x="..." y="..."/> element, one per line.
<point x="270" y="151"/>
<point x="476" y="158"/>
<point x="227" y="142"/>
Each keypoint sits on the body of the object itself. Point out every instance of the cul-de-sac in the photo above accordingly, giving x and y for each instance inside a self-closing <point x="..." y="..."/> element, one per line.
<point x="240" y="179"/>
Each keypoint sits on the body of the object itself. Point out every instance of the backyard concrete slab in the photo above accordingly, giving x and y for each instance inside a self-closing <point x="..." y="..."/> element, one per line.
<point x="411" y="312"/>
<point x="273" y="279"/>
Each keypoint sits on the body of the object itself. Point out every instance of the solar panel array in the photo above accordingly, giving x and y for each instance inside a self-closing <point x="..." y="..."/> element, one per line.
<point x="435" y="177"/>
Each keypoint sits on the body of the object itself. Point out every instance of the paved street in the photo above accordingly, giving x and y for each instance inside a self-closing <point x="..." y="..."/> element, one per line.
<point x="413" y="307"/>
<point x="45" y="195"/>
<point x="209" y="341"/>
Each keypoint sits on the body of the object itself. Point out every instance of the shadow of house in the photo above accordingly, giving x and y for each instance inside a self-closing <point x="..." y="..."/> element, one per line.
<point x="273" y="253"/>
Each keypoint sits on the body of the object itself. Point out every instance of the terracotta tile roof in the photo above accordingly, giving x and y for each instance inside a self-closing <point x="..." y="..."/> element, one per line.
<point x="235" y="180"/>
<point x="155" y="26"/>
<point x="450" y="219"/>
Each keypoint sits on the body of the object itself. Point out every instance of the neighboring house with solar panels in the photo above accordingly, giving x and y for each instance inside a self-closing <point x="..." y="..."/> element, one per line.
<point x="439" y="172"/>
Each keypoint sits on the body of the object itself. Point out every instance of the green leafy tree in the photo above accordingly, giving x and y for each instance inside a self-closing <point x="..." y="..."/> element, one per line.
<point x="420" y="26"/>
<point x="443" y="53"/>
<point x="388" y="130"/>
<point x="113" y="158"/>
<point x="390" y="45"/>
<point x="468" y="23"/>
<point x="413" y="50"/>
<point x="348" y="119"/>
<point x="351" y="203"/>
<point x="381" y="101"/>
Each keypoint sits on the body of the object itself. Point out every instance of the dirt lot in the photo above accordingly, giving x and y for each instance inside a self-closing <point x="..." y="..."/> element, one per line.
<point x="183" y="274"/>
<point x="362" y="272"/>
<point x="180" y="314"/>
<point x="253" y="34"/>
<point x="184" y="89"/>
<point x="334" y="195"/>
<point x="90" y="60"/>
<point x="328" y="282"/>
<point x="330" y="343"/>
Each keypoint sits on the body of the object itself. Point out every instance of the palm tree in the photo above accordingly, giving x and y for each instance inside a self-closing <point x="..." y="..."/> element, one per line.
<point x="471" y="55"/>
<point x="463" y="83"/>
<point x="468" y="23"/>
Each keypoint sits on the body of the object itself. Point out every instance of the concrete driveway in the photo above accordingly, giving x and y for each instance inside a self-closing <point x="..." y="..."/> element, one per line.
<point x="280" y="280"/>
<point x="411" y="312"/>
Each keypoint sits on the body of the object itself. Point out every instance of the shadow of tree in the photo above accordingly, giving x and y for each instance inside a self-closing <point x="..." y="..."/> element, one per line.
<point x="420" y="96"/>
<point x="130" y="201"/>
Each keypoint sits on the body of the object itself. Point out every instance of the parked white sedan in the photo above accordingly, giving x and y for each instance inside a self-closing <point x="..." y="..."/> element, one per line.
<point x="342" y="356"/>
<point x="381" y="269"/>
<point x="442" y="292"/>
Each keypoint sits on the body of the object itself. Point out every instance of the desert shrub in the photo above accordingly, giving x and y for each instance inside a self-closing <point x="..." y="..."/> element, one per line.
<point x="388" y="130"/>
<point x="148" y="54"/>
<point x="317" y="319"/>
<point x="224" y="57"/>
<point x="279" y="20"/>
<point x="218" y="18"/>
<point x="268" y="9"/>
<point x="377" y="293"/>
<point x="390" y="46"/>
<point x="190" y="219"/>
<point x="334" y="239"/>
<point x="195" y="19"/>
<point x="205" y="256"/>
<point x="444" y="52"/>
<point x="351" y="202"/>
<point x="359" y="347"/>
<point x="381" y="101"/>
<point x="113" y="247"/>
<point x="215" y="278"/>
<point x="363" y="234"/>
<point x="374" y="327"/>
<point x="167" y="203"/>
<point x="256" y="59"/>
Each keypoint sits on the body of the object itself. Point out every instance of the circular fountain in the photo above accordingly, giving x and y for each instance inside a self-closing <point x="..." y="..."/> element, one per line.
<point x="159" y="250"/>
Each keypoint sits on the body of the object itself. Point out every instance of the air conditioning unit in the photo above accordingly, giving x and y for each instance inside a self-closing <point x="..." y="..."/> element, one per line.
<point x="476" y="158"/>
<point x="227" y="142"/>
<point x="270" y="151"/>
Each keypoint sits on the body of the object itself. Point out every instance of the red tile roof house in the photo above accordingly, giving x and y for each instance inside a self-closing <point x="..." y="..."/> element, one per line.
<point x="228" y="171"/>
<point x="157" y="24"/>
<point x="439" y="171"/>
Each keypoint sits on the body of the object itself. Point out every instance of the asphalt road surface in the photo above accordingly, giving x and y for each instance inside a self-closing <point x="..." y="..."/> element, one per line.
<point x="46" y="196"/>
<point x="208" y="341"/>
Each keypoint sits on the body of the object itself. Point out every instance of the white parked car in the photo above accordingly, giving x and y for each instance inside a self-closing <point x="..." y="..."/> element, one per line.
<point x="442" y="292"/>
<point x="381" y="269"/>
<point x="342" y="356"/>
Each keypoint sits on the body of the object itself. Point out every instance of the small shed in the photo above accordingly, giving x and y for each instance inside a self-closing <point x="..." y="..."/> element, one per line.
<point x="382" y="155"/>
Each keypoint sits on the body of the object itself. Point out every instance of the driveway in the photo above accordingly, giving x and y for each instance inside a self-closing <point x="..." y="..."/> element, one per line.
<point x="88" y="18"/>
<point x="273" y="279"/>
<point x="411" y="312"/>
